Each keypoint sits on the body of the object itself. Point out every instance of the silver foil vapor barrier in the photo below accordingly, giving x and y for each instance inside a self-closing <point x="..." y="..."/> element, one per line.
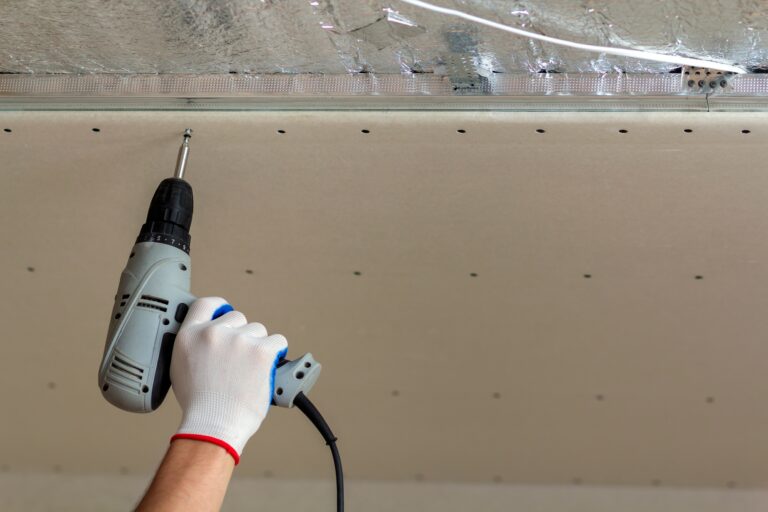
<point x="367" y="36"/>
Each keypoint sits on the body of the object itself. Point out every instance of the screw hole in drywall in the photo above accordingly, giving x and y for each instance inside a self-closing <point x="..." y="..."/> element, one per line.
<point x="473" y="274"/>
<point x="461" y="131"/>
<point x="746" y="131"/>
<point x="248" y="271"/>
<point x="623" y="131"/>
<point x="587" y="276"/>
<point x="541" y="130"/>
<point x="96" y="130"/>
<point x="281" y="131"/>
<point x="365" y="131"/>
<point x="357" y="273"/>
<point x="30" y="269"/>
<point x="7" y="130"/>
<point x="688" y="130"/>
<point x="699" y="277"/>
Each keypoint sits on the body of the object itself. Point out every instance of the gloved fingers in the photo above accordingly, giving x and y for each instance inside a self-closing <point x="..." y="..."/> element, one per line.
<point x="233" y="319"/>
<point x="275" y="344"/>
<point x="255" y="329"/>
<point x="202" y="310"/>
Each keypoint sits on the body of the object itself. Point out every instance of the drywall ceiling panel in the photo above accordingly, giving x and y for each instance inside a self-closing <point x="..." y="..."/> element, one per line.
<point x="336" y="37"/>
<point x="535" y="298"/>
<point x="120" y="492"/>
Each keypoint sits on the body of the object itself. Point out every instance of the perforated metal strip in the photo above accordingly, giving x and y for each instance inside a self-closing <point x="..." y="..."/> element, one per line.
<point x="584" y="91"/>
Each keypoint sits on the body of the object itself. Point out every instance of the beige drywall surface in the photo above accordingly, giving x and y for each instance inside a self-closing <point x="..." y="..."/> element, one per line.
<point x="528" y="372"/>
<point x="114" y="493"/>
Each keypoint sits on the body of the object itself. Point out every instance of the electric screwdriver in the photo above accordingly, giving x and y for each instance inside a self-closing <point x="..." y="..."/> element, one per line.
<point x="153" y="298"/>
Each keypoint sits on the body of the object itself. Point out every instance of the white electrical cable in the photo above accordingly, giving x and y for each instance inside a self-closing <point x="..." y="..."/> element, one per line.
<point x="638" y="54"/>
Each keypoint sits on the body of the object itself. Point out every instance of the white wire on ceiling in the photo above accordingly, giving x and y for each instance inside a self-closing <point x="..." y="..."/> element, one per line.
<point x="624" y="52"/>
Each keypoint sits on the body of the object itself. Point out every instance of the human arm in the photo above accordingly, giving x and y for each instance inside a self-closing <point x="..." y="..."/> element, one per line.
<point x="193" y="477"/>
<point x="222" y="373"/>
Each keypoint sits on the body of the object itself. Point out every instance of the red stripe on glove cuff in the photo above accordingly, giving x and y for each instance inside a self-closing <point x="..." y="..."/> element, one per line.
<point x="209" y="439"/>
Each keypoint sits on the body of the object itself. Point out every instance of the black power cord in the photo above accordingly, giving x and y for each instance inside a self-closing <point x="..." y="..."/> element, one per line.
<point x="310" y="411"/>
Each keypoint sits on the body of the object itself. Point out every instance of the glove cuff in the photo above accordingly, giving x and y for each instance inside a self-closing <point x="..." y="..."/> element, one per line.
<point x="219" y="417"/>
<point x="209" y="439"/>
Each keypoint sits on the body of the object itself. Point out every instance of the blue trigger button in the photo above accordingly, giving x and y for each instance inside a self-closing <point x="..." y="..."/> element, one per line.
<point x="223" y="310"/>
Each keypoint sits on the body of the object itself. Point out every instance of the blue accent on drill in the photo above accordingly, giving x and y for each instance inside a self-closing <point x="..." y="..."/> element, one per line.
<point x="279" y="358"/>
<point x="223" y="310"/>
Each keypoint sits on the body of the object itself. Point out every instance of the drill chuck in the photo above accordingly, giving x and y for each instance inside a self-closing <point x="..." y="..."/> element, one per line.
<point x="170" y="215"/>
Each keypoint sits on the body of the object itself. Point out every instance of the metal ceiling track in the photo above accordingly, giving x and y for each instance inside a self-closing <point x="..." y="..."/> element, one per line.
<point x="593" y="92"/>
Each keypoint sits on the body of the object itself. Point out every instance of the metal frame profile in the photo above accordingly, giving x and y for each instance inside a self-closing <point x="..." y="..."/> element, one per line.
<point x="367" y="91"/>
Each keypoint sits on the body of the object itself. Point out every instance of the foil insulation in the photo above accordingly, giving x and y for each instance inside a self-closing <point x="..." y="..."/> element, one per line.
<point x="336" y="37"/>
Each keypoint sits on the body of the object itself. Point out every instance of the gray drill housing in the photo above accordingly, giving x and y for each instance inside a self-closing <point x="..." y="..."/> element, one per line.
<point x="151" y="302"/>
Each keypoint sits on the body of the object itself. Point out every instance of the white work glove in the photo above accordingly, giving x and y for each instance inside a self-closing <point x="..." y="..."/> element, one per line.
<point x="223" y="374"/>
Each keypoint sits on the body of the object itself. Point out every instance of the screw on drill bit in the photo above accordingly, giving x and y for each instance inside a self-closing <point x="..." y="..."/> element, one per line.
<point x="181" y="161"/>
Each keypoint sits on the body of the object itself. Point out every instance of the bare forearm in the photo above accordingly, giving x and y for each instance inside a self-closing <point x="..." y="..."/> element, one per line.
<point x="193" y="477"/>
<point x="221" y="371"/>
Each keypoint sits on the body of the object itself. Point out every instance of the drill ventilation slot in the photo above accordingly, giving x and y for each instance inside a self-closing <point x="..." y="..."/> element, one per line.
<point x="151" y="302"/>
<point x="124" y="373"/>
